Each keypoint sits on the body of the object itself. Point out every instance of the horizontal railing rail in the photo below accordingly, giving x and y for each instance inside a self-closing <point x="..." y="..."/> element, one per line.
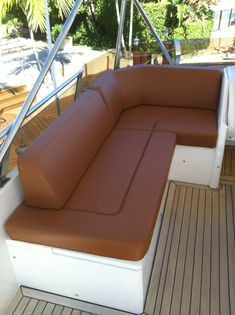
<point x="35" y="107"/>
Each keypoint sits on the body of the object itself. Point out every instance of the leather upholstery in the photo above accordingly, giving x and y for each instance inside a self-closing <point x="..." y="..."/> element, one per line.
<point x="51" y="166"/>
<point x="125" y="234"/>
<point x="107" y="86"/>
<point x="104" y="163"/>
<point x="174" y="86"/>
<point x="106" y="182"/>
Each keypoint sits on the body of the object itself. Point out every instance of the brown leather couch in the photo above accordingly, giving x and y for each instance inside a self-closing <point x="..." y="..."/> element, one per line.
<point x="94" y="180"/>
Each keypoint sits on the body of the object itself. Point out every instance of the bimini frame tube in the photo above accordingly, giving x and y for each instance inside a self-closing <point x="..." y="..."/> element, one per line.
<point x="29" y="100"/>
<point x="152" y="29"/>
<point x="119" y="35"/>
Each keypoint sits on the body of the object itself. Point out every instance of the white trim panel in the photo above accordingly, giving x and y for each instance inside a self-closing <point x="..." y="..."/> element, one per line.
<point x="10" y="197"/>
<point x="192" y="165"/>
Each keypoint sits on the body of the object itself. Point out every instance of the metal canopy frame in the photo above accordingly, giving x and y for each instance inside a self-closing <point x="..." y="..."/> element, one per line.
<point x="149" y="24"/>
<point x="10" y="132"/>
<point x="30" y="98"/>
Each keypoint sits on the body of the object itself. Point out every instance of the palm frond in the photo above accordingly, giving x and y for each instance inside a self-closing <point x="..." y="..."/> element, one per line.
<point x="35" y="13"/>
<point x="64" y="7"/>
<point x="5" y="5"/>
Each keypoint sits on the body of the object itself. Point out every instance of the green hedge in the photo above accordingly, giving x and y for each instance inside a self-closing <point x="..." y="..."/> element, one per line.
<point x="157" y="14"/>
<point x="99" y="29"/>
<point x="194" y="36"/>
<point x="105" y="31"/>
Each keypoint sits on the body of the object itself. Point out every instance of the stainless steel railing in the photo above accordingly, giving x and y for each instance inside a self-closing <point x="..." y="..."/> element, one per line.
<point x="35" y="107"/>
<point x="29" y="100"/>
<point x="10" y="131"/>
<point x="149" y="24"/>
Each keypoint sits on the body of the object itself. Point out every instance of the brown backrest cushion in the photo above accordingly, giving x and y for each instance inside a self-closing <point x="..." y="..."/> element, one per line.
<point x="53" y="164"/>
<point x="107" y="86"/>
<point x="190" y="87"/>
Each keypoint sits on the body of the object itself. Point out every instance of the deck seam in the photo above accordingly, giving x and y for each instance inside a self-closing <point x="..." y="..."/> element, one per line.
<point x="176" y="263"/>
<point x="186" y="252"/>
<point x="168" y="255"/>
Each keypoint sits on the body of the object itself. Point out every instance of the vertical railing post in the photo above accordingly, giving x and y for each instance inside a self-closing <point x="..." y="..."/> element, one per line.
<point x="49" y="43"/>
<point x="131" y="26"/>
<point x="119" y="35"/>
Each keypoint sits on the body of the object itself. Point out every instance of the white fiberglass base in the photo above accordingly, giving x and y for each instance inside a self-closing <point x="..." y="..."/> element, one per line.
<point x="10" y="197"/>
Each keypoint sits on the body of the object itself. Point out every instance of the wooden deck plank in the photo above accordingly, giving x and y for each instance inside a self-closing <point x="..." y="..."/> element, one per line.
<point x="215" y="269"/>
<point x="48" y="309"/>
<point x="30" y="307"/>
<point x="163" y="270"/>
<point x="22" y="306"/>
<point x="224" y="286"/>
<point x="66" y="311"/>
<point x="71" y="303"/>
<point x="188" y="274"/>
<point x="231" y="247"/>
<point x="161" y="248"/>
<point x="173" y="257"/>
<point x="228" y="166"/>
<point x="197" y="272"/>
<point x="228" y="157"/>
<point x="39" y="308"/>
<point x="182" y="253"/>
<point x="206" y="266"/>
<point x="57" y="310"/>
<point x="14" y="303"/>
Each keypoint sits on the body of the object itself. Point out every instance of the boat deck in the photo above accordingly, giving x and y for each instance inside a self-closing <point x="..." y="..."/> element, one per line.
<point x="194" y="268"/>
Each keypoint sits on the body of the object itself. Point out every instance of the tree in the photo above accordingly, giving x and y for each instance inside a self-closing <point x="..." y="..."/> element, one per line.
<point x="34" y="11"/>
<point x="180" y="11"/>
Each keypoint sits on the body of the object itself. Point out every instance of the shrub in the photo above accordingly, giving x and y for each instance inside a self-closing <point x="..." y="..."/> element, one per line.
<point x="194" y="36"/>
<point x="14" y="28"/>
<point x="157" y="14"/>
<point x="55" y="31"/>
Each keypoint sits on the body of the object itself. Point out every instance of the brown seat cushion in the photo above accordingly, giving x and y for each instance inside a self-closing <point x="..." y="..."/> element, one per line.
<point x="51" y="167"/>
<point x="194" y="127"/>
<point x="105" y="185"/>
<point x="124" y="232"/>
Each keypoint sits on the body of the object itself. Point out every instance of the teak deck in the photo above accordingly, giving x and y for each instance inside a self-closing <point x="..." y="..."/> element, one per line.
<point x="194" y="268"/>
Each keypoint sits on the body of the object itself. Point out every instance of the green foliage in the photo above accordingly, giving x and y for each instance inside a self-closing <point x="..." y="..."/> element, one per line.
<point x="34" y="11"/>
<point x="96" y="23"/>
<point x="157" y="14"/>
<point x="99" y="27"/>
<point x="55" y="31"/>
<point x="14" y="28"/>
<point x="193" y="30"/>
<point x="194" y="36"/>
<point x="12" y="13"/>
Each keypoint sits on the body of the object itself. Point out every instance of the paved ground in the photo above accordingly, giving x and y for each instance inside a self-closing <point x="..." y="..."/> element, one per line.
<point x="20" y="67"/>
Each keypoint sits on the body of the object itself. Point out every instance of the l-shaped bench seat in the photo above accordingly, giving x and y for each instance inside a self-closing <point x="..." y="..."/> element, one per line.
<point x="94" y="180"/>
